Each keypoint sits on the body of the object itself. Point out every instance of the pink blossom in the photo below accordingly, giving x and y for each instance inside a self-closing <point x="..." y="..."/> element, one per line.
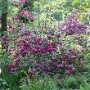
<point x="42" y="26"/>
<point x="73" y="51"/>
<point x="29" y="71"/>
<point x="81" y="62"/>
<point x="32" y="18"/>
<point x="67" y="72"/>
<point x="23" y="12"/>
<point x="23" y="1"/>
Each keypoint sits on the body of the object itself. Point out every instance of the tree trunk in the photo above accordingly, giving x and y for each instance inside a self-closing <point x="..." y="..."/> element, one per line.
<point x="3" y="23"/>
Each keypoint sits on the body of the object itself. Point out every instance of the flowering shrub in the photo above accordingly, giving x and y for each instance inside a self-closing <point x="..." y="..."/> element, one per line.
<point x="72" y="25"/>
<point x="42" y="52"/>
<point x="35" y="54"/>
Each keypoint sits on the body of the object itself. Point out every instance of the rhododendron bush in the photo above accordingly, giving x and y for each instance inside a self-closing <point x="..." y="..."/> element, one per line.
<point x="72" y="25"/>
<point x="44" y="54"/>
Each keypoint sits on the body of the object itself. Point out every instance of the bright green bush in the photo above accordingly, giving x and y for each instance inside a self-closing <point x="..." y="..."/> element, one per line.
<point x="40" y="84"/>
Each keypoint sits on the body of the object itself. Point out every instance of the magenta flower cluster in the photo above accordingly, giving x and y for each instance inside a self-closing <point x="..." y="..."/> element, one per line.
<point x="27" y="15"/>
<point x="30" y="44"/>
